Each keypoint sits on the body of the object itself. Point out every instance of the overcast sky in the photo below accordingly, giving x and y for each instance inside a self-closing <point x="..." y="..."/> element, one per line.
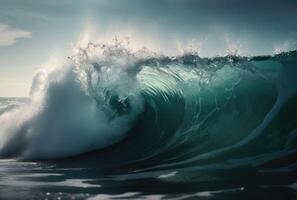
<point x="36" y="34"/>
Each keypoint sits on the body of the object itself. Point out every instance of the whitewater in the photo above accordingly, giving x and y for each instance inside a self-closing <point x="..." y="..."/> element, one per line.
<point x="133" y="119"/>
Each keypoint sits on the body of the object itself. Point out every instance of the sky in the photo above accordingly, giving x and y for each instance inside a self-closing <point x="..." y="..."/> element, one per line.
<point x="38" y="34"/>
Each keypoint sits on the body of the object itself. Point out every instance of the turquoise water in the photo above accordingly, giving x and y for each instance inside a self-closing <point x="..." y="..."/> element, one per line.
<point x="157" y="127"/>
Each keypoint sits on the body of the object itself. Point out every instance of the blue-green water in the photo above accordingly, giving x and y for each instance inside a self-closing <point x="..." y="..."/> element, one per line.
<point x="154" y="128"/>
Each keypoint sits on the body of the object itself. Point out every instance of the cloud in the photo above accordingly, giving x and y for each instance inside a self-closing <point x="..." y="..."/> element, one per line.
<point x="10" y="35"/>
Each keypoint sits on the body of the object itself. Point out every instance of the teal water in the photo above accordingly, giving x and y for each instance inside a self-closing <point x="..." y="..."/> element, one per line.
<point x="166" y="128"/>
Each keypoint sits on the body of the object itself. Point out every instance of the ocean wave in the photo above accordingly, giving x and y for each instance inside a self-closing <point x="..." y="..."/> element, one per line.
<point x="145" y="112"/>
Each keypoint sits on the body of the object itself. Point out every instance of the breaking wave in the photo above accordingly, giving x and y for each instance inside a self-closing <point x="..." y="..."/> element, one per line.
<point x="145" y="111"/>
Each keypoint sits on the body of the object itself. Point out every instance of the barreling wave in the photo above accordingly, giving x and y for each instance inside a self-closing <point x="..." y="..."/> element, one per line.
<point x="145" y="112"/>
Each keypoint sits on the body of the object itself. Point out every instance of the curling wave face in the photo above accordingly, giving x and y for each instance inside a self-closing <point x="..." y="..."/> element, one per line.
<point x="149" y="113"/>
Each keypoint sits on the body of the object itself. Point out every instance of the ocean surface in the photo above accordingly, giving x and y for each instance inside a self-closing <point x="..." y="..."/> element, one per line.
<point x="116" y="124"/>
